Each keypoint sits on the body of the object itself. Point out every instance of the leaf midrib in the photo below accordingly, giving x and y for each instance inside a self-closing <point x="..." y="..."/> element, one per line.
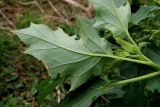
<point x="91" y="54"/>
<point x="114" y="16"/>
<point x="56" y="60"/>
<point x="119" y="17"/>
<point x="78" y="52"/>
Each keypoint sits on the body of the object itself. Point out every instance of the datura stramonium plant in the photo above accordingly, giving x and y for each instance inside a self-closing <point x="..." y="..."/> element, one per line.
<point x="98" y="64"/>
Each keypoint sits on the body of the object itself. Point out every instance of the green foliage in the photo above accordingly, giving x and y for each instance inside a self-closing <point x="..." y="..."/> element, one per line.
<point x="96" y="66"/>
<point x="70" y="30"/>
<point x="157" y="1"/>
<point x="153" y="85"/>
<point x="25" y="20"/>
<point x="11" y="101"/>
<point x="119" y="16"/>
<point x="45" y="88"/>
<point x="142" y="13"/>
<point x="85" y="97"/>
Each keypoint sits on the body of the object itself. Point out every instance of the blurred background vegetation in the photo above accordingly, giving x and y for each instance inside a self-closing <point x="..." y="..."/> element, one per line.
<point x="20" y="73"/>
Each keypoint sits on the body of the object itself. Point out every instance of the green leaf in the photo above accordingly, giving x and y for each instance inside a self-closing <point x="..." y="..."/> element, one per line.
<point x="91" y="39"/>
<point x="157" y="1"/>
<point x="142" y="13"/>
<point x="91" y="91"/>
<point x="61" y="53"/>
<point x="113" y="15"/>
<point x="45" y="88"/>
<point x="83" y="98"/>
<point x="153" y="84"/>
<point x="153" y="53"/>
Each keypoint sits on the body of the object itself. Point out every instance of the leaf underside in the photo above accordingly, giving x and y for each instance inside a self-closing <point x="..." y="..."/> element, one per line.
<point x="63" y="54"/>
<point x="113" y="15"/>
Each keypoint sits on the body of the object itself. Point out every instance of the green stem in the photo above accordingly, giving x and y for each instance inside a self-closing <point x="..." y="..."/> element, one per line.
<point x="136" y="79"/>
<point x="132" y="41"/>
<point x="122" y="58"/>
<point x="155" y="33"/>
<point x="145" y="58"/>
<point x="138" y="50"/>
<point x="149" y="63"/>
<point x="148" y="30"/>
<point x="154" y="65"/>
<point x="143" y="38"/>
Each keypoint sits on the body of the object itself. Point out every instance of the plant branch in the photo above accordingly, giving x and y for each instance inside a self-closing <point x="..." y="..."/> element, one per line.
<point x="35" y="2"/>
<point x="38" y="5"/>
<point x="154" y="34"/>
<point x="151" y="75"/>
<point x="143" y="38"/>
<point x="54" y="8"/>
<point x="150" y="30"/>
<point x="76" y="4"/>
<point x="7" y="19"/>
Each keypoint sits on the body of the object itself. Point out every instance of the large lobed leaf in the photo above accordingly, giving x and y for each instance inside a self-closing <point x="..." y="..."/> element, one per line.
<point x="63" y="54"/>
<point x="113" y="15"/>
